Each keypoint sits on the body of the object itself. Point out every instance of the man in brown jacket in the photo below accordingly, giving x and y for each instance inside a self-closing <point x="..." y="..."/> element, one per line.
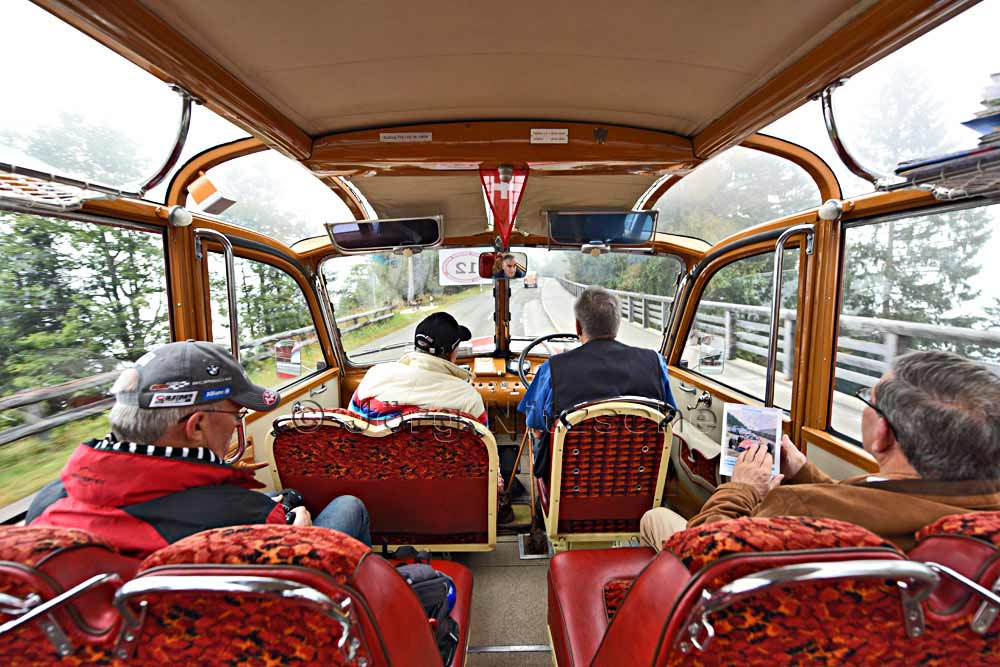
<point x="932" y="423"/>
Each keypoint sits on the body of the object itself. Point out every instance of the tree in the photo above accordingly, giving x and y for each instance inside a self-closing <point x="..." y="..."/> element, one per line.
<point x="917" y="269"/>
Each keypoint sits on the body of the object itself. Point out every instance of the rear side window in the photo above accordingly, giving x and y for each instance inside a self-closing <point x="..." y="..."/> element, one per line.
<point x="78" y="303"/>
<point x="926" y="282"/>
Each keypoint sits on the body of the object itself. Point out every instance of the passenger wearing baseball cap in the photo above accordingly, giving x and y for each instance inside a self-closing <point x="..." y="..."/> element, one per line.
<point x="160" y="474"/>
<point x="426" y="378"/>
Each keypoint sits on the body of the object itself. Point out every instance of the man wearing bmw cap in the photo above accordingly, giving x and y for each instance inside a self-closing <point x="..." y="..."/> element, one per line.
<point x="159" y="475"/>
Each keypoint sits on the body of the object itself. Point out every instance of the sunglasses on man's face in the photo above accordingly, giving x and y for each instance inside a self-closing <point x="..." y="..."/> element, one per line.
<point x="240" y="414"/>
<point x="865" y="395"/>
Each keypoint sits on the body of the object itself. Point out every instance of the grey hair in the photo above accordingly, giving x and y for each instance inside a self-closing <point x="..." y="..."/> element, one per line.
<point x="131" y="423"/>
<point x="943" y="410"/>
<point x="599" y="313"/>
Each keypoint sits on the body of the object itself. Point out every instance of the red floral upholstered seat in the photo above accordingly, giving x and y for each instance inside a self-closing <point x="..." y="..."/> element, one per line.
<point x="273" y="597"/>
<point x="45" y="562"/>
<point x="404" y="469"/>
<point x="960" y="630"/>
<point x="844" y="622"/>
<point x="609" y="463"/>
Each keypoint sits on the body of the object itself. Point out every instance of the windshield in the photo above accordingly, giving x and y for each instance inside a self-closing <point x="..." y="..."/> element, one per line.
<point x="543" y="302"/>
<point x="910" y="104"/>
<point x="118" y="137"/>
<point x="738" y="189"/>
<point x="380" y="298"/>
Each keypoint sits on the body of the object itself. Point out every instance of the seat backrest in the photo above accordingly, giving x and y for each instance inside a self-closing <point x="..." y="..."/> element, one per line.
<point x="428" y="479"/>
<point x="853" y="620"/>
<point x="609" y="464"/>
<point x="962" y="627"/>
<point x="39" y="563"/>
<point x="273" y="595"/>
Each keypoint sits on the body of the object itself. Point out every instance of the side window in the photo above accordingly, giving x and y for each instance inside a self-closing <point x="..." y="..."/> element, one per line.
<point x="78" y="304"/>
<point x="728" y="340"/>
<point x="278" y="341"/>
<point x="927" y="282"/>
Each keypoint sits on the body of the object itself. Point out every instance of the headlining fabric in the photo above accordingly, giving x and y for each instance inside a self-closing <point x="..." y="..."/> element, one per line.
<point x="460" y="200"/>
<point x="672" y="66"/>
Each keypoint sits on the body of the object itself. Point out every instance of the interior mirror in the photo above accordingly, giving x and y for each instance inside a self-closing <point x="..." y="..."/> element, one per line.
<point x="503" y="265"/>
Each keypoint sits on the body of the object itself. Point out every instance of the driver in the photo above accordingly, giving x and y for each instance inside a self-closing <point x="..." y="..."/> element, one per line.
<point x="508" y="268"/>
<point x="601" y="367"/>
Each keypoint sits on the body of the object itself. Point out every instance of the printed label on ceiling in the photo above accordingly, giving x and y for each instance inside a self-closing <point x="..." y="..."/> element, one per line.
<point x="549" y="135"/>
<point x="405" y="137"/>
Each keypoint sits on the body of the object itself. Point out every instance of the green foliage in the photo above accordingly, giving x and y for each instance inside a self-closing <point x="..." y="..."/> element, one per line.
<point x="621" y="271"/>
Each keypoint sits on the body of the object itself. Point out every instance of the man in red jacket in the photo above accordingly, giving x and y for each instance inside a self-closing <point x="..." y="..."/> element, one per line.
<point x="160" y="474"/>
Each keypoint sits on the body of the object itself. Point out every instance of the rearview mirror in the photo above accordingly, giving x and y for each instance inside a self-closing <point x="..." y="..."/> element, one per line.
<point x="503" y="266"/>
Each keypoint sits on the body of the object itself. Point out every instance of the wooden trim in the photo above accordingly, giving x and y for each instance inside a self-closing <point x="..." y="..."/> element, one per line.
<point x="488" y="143"/>
<point x="832" y="444"/>
<point x="817" y="168"/>
<point x="134" y="32"/>
<point x="887" y="26"/>
<point x="202" y="162"/>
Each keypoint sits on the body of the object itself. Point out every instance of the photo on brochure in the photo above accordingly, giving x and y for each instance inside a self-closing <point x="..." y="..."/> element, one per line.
<point x="745" y="426"/>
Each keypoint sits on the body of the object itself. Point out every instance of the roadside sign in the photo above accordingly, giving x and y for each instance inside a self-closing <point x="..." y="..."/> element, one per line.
<point x="460" y="267"/>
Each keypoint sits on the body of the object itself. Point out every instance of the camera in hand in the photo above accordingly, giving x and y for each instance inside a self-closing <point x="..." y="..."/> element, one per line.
<point x="290" y="499"/>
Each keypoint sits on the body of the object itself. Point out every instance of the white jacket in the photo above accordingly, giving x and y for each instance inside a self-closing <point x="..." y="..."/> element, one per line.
<point x="416" y="381"/>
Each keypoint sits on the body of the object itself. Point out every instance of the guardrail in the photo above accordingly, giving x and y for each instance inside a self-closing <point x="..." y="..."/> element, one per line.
<point x="96" y="404"/>
<point x="862" y="357"/>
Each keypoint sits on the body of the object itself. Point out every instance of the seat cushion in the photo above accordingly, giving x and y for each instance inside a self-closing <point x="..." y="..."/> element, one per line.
<point x="615" y="591"/>
<point x="983" y="526"/>
<point x="47" y="561"/>
<point x="576" y="613"/>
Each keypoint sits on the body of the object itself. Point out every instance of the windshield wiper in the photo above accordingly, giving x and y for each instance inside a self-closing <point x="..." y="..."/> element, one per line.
<point x="394" y="346"/>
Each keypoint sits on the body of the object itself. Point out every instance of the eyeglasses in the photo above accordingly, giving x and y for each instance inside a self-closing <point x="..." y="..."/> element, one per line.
<point x="241" y="414"/>
<point x="865" y="395"/>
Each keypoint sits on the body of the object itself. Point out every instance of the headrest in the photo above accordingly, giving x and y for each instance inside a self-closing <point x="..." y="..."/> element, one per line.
<point x="984" y="526"/>
<point x="702" y="545"/>
<point x="30" y="545"/>
<point x="322" y="549"/>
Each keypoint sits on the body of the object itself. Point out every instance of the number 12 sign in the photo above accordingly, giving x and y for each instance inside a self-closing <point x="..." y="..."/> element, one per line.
<point x="460" y="267"/>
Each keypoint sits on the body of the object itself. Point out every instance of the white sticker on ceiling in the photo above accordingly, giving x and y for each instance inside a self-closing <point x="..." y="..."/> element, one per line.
<point x="405" y="137"/>
<point x="549" y="135"/>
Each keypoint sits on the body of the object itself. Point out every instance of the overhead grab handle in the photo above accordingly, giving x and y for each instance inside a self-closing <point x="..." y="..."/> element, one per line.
<point x="879" y="181"/>
<point x="175" y="152"/>
<point x="66" y="201"/>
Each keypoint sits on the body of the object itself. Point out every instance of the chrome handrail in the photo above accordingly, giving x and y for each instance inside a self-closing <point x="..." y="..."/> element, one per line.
<point x="772" y="340"/>
<point x="234" y="333"/>
<point x="266" y="586"/>
<point x="915" y="581"/>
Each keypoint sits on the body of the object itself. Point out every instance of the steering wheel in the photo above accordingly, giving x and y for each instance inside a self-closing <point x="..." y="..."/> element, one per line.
<point x="522" y="361"/>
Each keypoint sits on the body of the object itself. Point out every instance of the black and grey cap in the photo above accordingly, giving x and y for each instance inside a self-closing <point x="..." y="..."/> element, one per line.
<point x="439" y="333"/>
<point x="194" y="373"/>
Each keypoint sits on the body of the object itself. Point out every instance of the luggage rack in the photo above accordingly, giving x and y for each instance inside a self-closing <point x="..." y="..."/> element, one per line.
<point x="956" y="178"/>
<point x="958" y="182"/>
<point x="27" y="189"/>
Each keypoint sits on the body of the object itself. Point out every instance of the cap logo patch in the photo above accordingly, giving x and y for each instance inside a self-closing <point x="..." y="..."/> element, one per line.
<point x="169" y="386"/>
<point x="212" y="369"/>
<point x="270" y="397"/>
<point x="216" y="394"/>
<point x="173" y="400"/>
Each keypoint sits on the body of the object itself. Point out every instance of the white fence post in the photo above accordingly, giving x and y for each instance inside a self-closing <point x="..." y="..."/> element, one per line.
<point x="727" y="324"/>
<point x="789" y="351"/>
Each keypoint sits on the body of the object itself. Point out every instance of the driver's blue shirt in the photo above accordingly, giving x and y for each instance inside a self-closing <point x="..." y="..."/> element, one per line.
<point x="537" y="402"/>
